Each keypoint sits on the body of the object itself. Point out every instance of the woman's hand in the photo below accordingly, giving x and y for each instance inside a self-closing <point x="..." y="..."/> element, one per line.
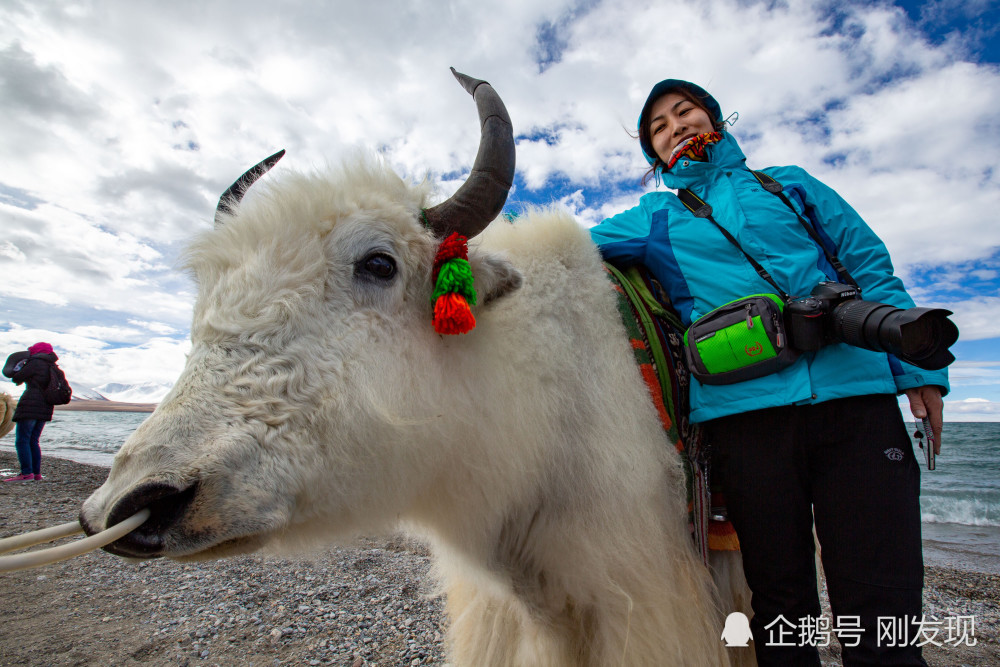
<point x="926" y="402"/>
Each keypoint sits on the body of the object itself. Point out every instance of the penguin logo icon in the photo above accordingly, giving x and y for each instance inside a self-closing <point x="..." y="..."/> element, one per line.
<point x="737" y="630"/>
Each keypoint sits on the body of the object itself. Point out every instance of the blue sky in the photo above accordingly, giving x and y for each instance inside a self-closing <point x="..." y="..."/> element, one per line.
<point x="123" y="122"/>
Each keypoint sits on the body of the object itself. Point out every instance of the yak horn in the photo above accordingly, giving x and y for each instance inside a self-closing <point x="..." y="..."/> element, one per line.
<point x="234" y="193"/>
<point x="482" y="196"/>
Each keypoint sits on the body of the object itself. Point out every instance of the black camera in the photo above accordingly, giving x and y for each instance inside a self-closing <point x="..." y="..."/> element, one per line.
<point x="834" y="312"/>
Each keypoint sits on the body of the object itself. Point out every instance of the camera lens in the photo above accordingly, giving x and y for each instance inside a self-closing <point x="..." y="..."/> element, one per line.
<point x="920" y="336"/>
<point x="924" y="336"/>
<point x="850" y="323"/>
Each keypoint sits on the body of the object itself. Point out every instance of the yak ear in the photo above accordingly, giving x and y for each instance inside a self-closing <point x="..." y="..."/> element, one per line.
<point x="495" y="277"/>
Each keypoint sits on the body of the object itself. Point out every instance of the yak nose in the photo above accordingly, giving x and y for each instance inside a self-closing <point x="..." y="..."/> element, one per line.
<point x="166" y="503"/>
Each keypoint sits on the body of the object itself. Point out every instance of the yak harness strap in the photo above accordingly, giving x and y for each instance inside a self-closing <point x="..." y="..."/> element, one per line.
<point x="656" y="337"/>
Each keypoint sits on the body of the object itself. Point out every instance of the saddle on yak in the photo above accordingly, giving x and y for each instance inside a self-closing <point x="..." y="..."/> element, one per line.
<point x="657" y="337"/>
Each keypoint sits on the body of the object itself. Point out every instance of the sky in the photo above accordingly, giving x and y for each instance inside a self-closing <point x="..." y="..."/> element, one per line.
<point x="123" y="122"/>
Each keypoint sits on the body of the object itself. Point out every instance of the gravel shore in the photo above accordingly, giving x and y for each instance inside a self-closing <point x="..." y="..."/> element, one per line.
<point x="368" y="603"/>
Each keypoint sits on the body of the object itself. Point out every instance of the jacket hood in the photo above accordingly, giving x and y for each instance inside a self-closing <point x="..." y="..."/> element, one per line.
<point x="662" y="88"/>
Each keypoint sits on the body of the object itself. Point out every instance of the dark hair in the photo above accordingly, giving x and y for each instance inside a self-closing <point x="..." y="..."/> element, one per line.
<point x="644" y="137"/>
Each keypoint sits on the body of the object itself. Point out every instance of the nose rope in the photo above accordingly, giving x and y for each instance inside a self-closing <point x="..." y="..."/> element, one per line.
<point x="39" y="536"/>
<point x="65" y="551"/>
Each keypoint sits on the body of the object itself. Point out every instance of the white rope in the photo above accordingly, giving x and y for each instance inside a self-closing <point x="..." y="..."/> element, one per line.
<point x="65" y="551"/>
<point x="39" y="536"/>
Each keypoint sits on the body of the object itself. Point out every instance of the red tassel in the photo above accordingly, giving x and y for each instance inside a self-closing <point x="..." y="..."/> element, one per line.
<point x="454" y="246"/>
<point x="452" y="314"/>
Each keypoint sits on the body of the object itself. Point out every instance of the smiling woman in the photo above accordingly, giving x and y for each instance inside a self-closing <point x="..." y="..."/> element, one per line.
<point x="781" y="426"/>
<point x="675" y="112"/>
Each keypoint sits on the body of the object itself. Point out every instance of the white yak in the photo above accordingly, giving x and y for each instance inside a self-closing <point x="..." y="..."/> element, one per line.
<point x="318" y="401"/>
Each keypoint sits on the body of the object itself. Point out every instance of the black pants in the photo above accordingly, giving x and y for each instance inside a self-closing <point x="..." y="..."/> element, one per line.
<point x="848" y="463"/>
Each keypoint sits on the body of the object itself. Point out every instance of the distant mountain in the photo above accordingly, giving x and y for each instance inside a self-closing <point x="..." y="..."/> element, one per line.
<point x="86" y="395"/>
<point x="145" y="392"/>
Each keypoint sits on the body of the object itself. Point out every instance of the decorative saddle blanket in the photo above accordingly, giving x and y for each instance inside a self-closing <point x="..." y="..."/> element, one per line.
<point x="657" y="338"/>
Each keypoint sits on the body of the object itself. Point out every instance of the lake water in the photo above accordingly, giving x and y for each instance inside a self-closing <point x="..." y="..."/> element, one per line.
<point x="960" y="500"/>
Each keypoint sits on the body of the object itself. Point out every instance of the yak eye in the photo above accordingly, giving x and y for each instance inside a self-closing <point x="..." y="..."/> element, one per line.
<point x="379" y="266"/>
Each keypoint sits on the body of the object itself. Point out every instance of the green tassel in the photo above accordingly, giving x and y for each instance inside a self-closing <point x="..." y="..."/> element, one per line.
<point x="455" y="276"/>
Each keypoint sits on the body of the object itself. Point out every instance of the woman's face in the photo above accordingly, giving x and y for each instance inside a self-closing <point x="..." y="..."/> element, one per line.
<point x="673" y="120"/>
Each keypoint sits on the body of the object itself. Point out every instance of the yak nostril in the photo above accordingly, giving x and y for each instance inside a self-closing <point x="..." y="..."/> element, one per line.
<point x="144" y="495"/>
<point x="166" y="504"/>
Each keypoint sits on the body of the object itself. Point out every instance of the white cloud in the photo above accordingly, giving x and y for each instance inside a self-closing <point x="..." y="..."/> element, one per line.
<point x="972" y="409"/>
<point x="967" y="410"/>
<point x="88" y="360"/>
<point x="155" y="327"/>
<point x="974" y="374"/>
<point x="111" y="334"/>
<point x="977" y="318"/>
<point x="125" y="121"/>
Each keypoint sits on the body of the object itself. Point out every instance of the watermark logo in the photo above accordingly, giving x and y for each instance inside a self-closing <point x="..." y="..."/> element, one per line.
<point x="890" y="631"/>
<point x="737" y="630"/>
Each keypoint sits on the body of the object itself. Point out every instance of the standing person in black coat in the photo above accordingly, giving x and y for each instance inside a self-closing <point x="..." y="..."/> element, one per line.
<point x="32" y="410"/>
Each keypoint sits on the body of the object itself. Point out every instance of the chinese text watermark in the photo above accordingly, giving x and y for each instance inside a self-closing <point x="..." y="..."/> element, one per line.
<point x="890" y="631"/>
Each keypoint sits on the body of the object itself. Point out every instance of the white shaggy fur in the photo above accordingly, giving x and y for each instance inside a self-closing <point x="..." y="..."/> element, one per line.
<point x="7" y="407"/>
<point x="318" y="402"/>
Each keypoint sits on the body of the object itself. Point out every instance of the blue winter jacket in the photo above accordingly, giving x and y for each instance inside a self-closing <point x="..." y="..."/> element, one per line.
<point x="701" y="270"/>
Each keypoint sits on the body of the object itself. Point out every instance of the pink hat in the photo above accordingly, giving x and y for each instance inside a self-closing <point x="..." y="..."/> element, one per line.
<point x="40" y="348"/>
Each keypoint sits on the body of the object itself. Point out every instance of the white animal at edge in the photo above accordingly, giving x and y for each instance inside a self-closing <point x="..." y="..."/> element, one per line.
<point x="318" y="402"/>
<point x="7" y="407"/>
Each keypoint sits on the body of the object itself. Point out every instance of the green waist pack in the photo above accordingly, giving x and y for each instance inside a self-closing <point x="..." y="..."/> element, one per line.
<point x="740" y="340"/>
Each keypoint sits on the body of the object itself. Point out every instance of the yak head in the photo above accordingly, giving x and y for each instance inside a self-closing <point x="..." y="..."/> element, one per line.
<point x="317" y="395"/>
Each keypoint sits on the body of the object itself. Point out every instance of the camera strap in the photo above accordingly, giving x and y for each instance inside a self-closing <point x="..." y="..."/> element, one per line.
<point x="701" y="209"/>
<point x="774" y="187"/>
